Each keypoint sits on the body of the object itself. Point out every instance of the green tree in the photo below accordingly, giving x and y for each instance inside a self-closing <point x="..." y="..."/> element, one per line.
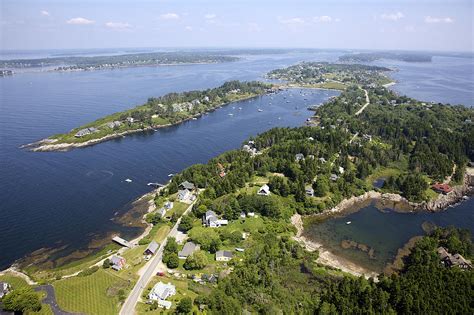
<point x="185" y="306"/>
<point x="22" y="300"/>
<point x="172" y="260"/>
<point x="321" y="186"/>
<point x="186" y="223"/>
<point x="197" y="260"/>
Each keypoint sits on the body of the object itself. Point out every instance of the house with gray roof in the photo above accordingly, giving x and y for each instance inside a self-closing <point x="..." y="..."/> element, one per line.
<point x="152" y="248"/>
<point x="85" y="132"/>
<point x="223" y="255"/>
<point x="117" y="262"/>
<point x="187" y="185"/>
<point x="187" y="250"/>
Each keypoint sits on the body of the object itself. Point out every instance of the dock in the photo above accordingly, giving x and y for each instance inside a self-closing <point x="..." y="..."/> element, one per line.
<point x="122" y="242"/>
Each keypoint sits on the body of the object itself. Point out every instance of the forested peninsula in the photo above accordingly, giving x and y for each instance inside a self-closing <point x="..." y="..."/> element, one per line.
<point x="243" y="254"/>
<point x="157" y="112"/>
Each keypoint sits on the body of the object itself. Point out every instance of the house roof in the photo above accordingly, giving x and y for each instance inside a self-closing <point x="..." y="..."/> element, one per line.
<point x="115" y="260"/>
<point x="187" y="250"/>
<point x="153" y="247"/>
<point x="442" y="187"/>
<point x="265" y="189"/>
<point x="163" y="290"/>
<point x="224" y="253"/>
<point x="187" y="185"/>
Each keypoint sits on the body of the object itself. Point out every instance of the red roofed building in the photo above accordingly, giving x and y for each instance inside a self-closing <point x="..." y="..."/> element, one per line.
<point x="442" y="188"/>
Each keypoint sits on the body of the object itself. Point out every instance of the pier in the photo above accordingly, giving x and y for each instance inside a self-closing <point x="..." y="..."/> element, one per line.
<point x="122" y="242"/>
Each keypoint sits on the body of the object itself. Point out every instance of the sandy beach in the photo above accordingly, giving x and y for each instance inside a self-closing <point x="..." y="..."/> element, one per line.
<point x="326" y="257"/>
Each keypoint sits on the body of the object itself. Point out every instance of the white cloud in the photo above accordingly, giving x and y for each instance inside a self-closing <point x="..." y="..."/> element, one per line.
<point x="323" y="19"/>
<point x="392" y="16"/>
<point x="44" y="12"/>
<point x="410" y="28"/>
<point x="292" y="21"/>
<point x="118" y="25"/>
<point x="169" y="16"/>
<point x="188" y="28"/>
<point x="79" y="21"/>
<point x="210" y="16"/>
<point x="430" y="19"/>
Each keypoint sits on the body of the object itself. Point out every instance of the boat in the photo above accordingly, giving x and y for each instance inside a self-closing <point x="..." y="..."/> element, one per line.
<point x="128" y="180"/>
<point x="230" y="114"/>
<point x="170" y="175"/>
<point x="348" y="222"/>
<point x="260" y="110"/>
<point x="240" y="108"/>
<point x="194" y="118"/>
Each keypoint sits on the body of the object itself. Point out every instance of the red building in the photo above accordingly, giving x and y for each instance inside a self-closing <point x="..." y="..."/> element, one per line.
<point x="442" y="188"/>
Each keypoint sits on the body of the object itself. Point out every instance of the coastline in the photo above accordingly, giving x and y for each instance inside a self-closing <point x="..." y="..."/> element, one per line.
<point x="327" y="258"/>
<point x="49" y="145"/>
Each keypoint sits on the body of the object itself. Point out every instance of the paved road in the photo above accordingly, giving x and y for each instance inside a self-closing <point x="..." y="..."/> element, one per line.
<point x="128" y="307"/>
<point x="367" y="102"/>
<point x="50" y="299"/>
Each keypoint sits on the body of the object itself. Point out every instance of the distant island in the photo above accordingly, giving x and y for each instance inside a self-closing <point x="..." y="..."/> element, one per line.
<point x="77" y="63"/>
<point x="331" y="75"/>
<point x="374" y="56"/>
<point x="167" y="110"/>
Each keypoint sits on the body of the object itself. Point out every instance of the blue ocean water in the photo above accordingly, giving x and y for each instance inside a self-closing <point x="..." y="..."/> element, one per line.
<point x="53" y="199"/>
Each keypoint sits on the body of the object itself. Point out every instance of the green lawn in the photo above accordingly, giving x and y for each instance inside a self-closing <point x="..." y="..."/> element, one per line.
<point x="18" y="283"/>
<point x="14" y="281"/>
<point x="178" y="208"/>
<point x="94" y="294"/>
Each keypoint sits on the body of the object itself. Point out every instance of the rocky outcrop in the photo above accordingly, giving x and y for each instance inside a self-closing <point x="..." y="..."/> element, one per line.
<point x="456" y="195"/>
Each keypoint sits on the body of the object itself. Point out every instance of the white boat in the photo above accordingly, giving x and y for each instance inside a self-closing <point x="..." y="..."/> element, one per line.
<point x="348" y="222"/>
<point x="194" y="118"/>
<point x="240" y="108"/>
<point x="170" y="175"/>
<point x="230" y="114"/>
<point x="128" y="180"/>
<point x="260" y="110"/>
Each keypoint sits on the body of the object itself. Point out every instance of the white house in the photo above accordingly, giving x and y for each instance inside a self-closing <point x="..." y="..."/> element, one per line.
<point x="184" y="195"/>
<point x="264" y="190"/>
<point x="210" y="219"/>
<point x="4" y="289"/>
<point x="309" y="191"/>
<point x="160" y="292"/>
<point x="168" y="205"/>
<point x="223" y="255"/>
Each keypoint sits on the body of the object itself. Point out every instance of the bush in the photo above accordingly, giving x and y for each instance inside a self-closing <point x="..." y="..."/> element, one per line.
<point x="88" y="271"/>
<point x="22" y="300"/>
<point x="197" y="260"/>
<point x="185" y="306"/>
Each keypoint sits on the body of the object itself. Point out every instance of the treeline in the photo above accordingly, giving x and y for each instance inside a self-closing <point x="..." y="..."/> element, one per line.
<point x="278" y="276"/>
<point x="424" y="286"/>
<point x="175" y="106"/>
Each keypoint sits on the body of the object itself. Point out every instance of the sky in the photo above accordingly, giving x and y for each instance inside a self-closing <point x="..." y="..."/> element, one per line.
<point x="363" y="24"/>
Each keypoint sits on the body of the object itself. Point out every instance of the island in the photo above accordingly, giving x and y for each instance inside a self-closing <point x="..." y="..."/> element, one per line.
<point x="227" y="236"/>
<point x="331" y="75"/>
<point x="164" y="111"/>
<point x="374" y="56"/>
<point x="80" y="63"/>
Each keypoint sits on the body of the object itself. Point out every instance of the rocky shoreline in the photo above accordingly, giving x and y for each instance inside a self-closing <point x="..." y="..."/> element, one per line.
<point x="49" y="145"/>
<point x="327" y="258"/>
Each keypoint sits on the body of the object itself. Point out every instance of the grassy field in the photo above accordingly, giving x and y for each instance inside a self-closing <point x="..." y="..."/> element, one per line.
<point x="18" y="283"/>
<point x="178" y="208"/>
<point x="94" y="294"/>
<point x="14" y="281"/>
